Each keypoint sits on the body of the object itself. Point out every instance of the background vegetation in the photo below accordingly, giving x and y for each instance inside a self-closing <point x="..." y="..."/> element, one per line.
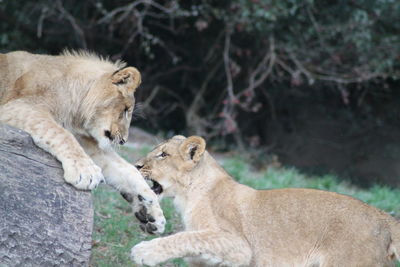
<point x="310" y="78"/>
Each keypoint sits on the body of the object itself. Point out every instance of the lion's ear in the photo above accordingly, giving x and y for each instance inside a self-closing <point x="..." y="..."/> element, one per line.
<point x="193" y="148"/>
<point x="127" y="79"/>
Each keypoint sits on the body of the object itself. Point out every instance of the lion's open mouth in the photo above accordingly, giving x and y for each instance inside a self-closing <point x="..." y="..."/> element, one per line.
<point x="154" y="185"/>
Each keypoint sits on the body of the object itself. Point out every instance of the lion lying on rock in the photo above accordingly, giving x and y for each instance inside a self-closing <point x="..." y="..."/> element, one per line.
<point x="229" y="224"/>
<point x="75" y="106"/>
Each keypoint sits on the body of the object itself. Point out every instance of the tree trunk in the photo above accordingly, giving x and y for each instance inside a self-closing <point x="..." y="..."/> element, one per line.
<point x="43" y="220"/>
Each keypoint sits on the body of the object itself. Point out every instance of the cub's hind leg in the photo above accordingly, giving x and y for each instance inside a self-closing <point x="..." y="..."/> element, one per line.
<point x="79" y="169"/>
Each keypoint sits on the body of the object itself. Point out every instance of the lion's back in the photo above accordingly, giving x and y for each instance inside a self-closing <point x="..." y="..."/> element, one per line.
<point x="14" y="65"/>
<point x="26" y="74"/>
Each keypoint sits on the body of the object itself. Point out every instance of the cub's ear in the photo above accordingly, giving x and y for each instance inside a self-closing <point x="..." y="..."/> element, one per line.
<point x="192" y="148"/>
<point x="127" y="79"/>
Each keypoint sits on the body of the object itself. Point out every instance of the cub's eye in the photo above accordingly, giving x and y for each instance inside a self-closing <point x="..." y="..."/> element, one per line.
<point x="162" y="155"/>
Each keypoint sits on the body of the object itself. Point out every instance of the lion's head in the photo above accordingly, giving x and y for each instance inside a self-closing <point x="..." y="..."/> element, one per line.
<point x="167" y="168"/>
<point x="111" y="99"/>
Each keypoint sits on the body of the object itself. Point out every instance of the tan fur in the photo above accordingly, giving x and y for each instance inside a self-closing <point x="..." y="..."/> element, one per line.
<point x="229" y="224"/>
<point x="75" y="106"/>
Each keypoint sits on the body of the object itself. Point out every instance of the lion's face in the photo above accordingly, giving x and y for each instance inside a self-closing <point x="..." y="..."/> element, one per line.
<point x="114" y="95"/>
<point x="167" y="166"/>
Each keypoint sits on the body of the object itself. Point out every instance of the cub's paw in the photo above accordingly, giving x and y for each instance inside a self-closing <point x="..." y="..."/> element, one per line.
<point x="147" y="253"/>
<point x="84" y="174"/>
<point x="148" y="211"/>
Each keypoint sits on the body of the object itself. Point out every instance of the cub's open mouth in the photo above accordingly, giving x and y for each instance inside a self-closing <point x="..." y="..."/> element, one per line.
<point x="154" y="185"/>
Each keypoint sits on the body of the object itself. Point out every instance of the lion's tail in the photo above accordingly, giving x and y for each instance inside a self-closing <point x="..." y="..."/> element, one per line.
<point x="394" y="248"/>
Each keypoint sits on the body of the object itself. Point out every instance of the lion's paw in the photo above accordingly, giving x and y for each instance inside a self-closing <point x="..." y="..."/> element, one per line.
<point x="146" y="253"/>
<point x="149" y="213"/>
<point x="84" y="175"/>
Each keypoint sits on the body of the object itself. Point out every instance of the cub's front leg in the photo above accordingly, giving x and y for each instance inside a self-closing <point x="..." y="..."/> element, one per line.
<point x="127" y="179"/>
<point x="210" y="247"/>
<point x="79" y="169"/>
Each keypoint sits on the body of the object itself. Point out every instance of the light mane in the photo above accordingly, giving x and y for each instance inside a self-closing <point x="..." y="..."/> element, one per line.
<point x="92" y="56"/>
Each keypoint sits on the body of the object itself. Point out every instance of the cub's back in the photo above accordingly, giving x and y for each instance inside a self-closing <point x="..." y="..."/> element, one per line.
<point x="291" y="223"/>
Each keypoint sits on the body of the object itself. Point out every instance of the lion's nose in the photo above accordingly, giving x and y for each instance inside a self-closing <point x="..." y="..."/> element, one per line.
<point x="122" y="141"/>
<point x="108" y="135"/>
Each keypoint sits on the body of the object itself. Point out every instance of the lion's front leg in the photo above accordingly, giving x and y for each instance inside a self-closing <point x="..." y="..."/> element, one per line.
<point x="127" y="179"/>
<point x="79" y="169"/>
<point x="210" y="247"/>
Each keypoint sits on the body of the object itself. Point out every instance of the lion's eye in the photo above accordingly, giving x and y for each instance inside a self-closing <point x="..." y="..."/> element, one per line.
<point x="127" y="111"/>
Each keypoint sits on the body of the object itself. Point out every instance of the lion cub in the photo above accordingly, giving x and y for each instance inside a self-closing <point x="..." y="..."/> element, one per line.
<point x="75" y="106"/>
<point x="229" y="224"/>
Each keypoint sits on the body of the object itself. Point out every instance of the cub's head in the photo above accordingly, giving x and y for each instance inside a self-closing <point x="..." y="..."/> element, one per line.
<point x="111" y="102"/>
<point x="169" y="166"/>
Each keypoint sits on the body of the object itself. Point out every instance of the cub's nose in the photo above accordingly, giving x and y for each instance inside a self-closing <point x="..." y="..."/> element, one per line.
<point x="122" y="141"/>
<point x="138" y="165"/>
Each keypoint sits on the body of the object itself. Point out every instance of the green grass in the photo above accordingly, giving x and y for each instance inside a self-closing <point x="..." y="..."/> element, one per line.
<point x="116" y="230"/>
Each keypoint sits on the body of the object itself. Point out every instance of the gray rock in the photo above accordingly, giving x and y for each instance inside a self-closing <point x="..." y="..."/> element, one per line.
<point x="43" y="220"/>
